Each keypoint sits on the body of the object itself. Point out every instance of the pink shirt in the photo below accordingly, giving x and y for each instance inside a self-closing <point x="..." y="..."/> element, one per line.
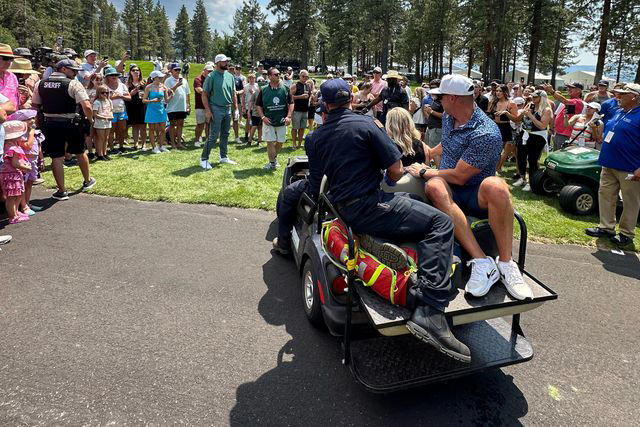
<point x="559" y="126"/>
<point x="376" y="88"/>
<point x="9" y="87"/>
<point x="13" y="151"/>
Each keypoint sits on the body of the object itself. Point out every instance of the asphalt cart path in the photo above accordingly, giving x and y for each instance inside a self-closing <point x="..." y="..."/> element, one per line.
<point x="119" y="311"/>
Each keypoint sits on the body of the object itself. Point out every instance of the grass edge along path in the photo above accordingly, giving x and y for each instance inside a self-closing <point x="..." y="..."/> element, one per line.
<point x="177" y="177"/>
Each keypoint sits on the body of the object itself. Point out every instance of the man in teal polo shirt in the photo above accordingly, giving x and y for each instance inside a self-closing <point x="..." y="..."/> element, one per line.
<point x="275" y="107"/>
<point x="218" y="99"/>
<point x="620" y="161"/>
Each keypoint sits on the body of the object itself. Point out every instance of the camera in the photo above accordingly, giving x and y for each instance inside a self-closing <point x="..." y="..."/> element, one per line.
<point x="42" y="56"/>
<point x="532" y="107"/>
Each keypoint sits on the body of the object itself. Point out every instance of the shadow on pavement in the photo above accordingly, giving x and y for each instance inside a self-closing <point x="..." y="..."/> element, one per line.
<point x="309" y="385"/>
<point x="627" y="264"/>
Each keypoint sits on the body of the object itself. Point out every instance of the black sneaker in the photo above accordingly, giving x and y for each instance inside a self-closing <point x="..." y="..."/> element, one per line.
<point x="387" y="253"/>
<point x="430" y="326"/>
<point x="106" y="157"/>
<point x="88" y="184"/>
<point x="70" y="163"/>
<point x="621" y="240"/>
<point x="599" y="232"/>
<point x="60" y="195"/>
<point x="91" y="156"/>
<point x="279" y="249"/>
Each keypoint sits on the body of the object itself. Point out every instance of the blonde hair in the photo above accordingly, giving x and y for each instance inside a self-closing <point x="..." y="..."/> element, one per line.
<point x="402" y="130"/>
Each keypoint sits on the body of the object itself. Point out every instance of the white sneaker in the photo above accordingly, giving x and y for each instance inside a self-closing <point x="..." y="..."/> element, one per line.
<point x="519" y="183"/>
<point x="5" y="239"/>
<point x="513" y="280"/>
<point x="204" y="164"/>
<point x="484" y="274"/>
<point x="237" y="140"/>
<point x="527" y="187"/>
<point x="268" y="166"/>
<point x="228" y="161"/>
<point x="156" y="150"/>
<point x="164" y="149"/>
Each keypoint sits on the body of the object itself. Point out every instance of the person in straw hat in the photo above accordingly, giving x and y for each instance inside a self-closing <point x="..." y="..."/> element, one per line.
<point x="23" y="70"/>
<point x="8" y="80"/>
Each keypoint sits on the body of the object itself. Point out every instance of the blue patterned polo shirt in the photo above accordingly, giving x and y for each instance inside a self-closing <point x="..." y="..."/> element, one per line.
<point x="477" y="142"/>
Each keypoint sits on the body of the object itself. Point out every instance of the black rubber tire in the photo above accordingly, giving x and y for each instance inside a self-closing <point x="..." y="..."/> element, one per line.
<point x="541" y="183"/>
<point x="578" y="199"/>
<point x="312" y="308"/>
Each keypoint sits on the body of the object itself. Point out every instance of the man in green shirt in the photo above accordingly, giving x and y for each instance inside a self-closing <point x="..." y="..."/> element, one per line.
<point x="218" y="99"/>
<point x="275" y="106"/>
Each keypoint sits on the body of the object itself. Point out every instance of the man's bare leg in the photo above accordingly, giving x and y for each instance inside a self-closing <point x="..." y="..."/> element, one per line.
<point x="494" y="196"/>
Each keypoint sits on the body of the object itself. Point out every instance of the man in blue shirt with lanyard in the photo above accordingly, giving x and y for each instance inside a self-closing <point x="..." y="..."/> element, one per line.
<point x="620" y="161"/>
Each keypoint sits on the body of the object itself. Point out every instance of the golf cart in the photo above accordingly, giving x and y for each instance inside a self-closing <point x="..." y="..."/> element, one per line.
<point x="376" y="345"/>
<point x="573" y="172"/>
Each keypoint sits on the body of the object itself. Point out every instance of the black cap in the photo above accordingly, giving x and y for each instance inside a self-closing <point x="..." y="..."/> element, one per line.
<point x="603" y="83"/>
<point x="576" y="84"/>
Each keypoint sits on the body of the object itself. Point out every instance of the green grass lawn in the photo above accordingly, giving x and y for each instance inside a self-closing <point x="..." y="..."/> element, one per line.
<point x="177" y="177"/>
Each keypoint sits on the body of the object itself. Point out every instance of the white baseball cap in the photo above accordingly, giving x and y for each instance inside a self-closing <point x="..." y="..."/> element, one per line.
<point x="594" y="105"/>
<point x="209" y="66"/>
<point x="89" y="52"/>
<point x="518" y="100"/>
<point x="454" y="84"/>
<point x="377" y="70"/>
<point x="221" y="57"/>
<point x="155" y="74"/>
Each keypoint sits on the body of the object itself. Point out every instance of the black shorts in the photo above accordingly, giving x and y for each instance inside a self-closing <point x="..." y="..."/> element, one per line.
<point x="256" y="121"/>
<point x="61" y="138"/>
<point x="177" y="115"/>
<point x="421" y="126"/>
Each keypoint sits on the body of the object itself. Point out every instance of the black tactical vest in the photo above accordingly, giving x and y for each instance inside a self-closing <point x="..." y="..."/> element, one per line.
<point x="55" y="99"/>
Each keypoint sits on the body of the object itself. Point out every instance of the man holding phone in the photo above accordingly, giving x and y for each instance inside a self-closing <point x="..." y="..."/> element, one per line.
<point x="91" y="66"/>
<point x="568" y="108"/>
<point x="178" y="106"/>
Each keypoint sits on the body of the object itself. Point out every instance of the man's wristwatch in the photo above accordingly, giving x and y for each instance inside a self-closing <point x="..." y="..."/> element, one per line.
<point x="422" y="172"/>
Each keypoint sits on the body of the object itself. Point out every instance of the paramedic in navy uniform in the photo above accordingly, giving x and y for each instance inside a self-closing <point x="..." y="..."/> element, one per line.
<point x="352" y="150"/>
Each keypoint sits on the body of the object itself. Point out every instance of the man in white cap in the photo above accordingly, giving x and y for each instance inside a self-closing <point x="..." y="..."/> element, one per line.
<point x="91" y="66"/>
<point x="200" y="111"/>
<point x="218" y="99"/>
<point x="466" y="184"/>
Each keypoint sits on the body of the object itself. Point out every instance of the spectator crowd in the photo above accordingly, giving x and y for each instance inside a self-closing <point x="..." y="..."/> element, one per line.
<point x="80" y="110"/>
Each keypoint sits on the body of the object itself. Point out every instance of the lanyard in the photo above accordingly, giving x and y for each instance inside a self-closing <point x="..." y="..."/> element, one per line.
<point x="622" y="118"/>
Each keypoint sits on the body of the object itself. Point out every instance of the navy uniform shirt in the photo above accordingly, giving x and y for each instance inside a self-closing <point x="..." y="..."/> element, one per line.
<point x="352" y="151"/>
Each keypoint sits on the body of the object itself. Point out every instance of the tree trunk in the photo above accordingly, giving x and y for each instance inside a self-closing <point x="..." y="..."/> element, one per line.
<point x="418" y="63"/>
<point x="620" y="62"/>
<point x="450" y="62"/>
<point x="384" y="54"/>
<point x="441" y="58"/>
<point x="350" y="57"/>
<point x="637" y="78"/>
<point x="604" y="35"/>
<point x="515" y="57"/>
<point x="556" y="48"/>
<point x="536" y="35"/>
<point x="470" y="63"/>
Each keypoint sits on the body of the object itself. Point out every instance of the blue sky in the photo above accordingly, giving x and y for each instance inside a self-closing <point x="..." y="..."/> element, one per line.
<point x="221" y="16"/>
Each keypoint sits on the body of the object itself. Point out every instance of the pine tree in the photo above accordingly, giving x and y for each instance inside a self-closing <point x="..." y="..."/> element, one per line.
<point x="182" y="38"/>
<point x="250" y="32"/>
<point x="163" y="45"/>
<point x="201" y="32"/>
<point x="297" y="22"/>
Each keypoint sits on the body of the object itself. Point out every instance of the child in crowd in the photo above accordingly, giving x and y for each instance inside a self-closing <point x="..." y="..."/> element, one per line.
<point x="33" y="153"/>
<point x="103" y="113"/>
<point x="15" y="163"/>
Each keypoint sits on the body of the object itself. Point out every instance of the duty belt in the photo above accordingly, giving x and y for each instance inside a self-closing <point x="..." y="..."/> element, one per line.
<point x="346" y="203"/>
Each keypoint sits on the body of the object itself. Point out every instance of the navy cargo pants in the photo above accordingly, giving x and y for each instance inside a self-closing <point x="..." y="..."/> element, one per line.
<point x="398" y="217"/>
<point x="287" y="210"/>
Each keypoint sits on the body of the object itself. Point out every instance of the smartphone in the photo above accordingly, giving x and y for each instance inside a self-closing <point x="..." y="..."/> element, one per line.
<point x="532" y="107"/>
<point x="571" y="109"/>
<point x="105" y="58"/>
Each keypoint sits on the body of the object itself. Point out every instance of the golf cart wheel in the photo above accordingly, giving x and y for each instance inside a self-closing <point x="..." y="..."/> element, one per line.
<point x="541" y="183"/>
<point x="311" y="296"/>
<point x="578" y="199"/>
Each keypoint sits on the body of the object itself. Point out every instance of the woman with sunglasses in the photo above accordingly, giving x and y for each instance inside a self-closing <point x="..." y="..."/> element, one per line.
<point x="8" y="80"/>
<point x="135" y="107"/>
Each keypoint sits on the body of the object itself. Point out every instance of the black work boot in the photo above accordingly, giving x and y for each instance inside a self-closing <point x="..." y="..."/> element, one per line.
<point x="388" y="253"/>
<point x="430" y="326"/>
<point x="280" y="249"/>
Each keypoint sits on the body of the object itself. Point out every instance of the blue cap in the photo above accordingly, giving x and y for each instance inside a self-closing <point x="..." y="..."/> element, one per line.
<point x="335" y="91"/>
<point x="68" y="63"/>
<point x="174" y="66"/>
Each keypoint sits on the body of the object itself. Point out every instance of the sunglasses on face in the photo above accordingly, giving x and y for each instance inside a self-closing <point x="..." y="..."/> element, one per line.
<point x="102" y="93"/>
<point x="275" y="74"/>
